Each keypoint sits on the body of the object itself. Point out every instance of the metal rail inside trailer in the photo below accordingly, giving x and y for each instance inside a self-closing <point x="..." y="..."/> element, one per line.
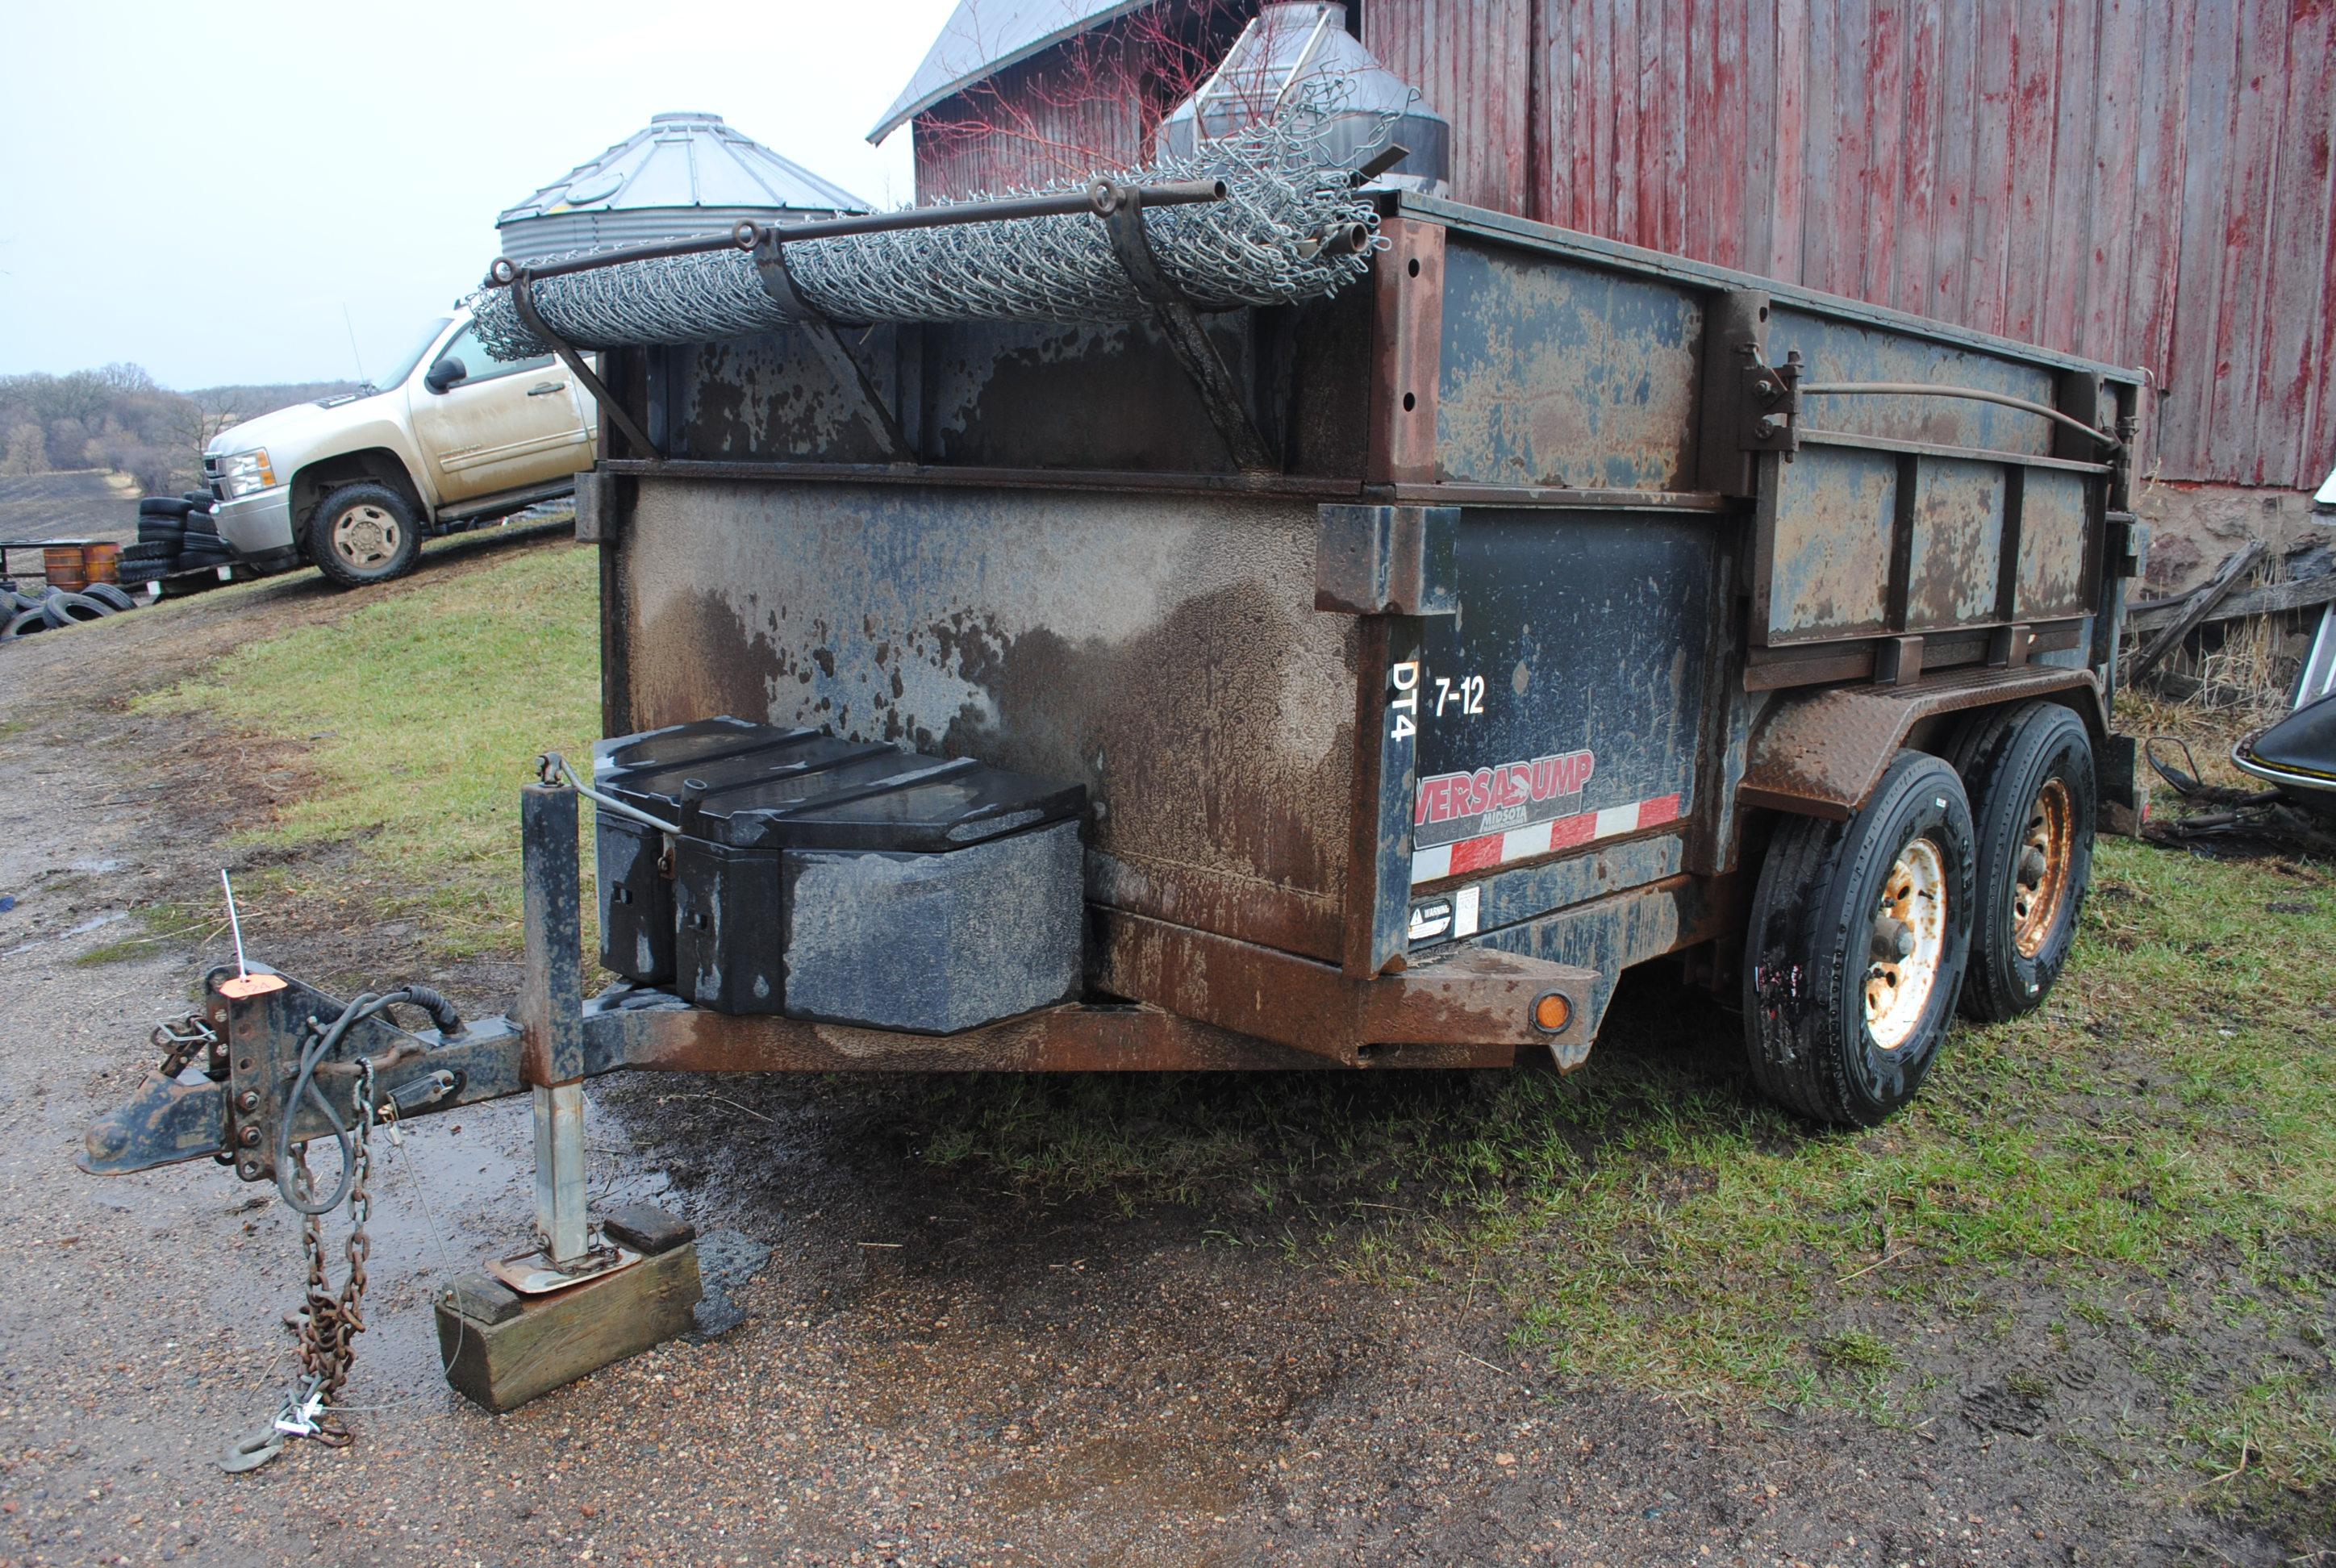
<point x="1428" y="655"/>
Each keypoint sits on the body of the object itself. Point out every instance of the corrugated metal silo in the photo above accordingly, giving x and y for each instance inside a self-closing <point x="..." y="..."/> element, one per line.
<point x="685" y="174"/>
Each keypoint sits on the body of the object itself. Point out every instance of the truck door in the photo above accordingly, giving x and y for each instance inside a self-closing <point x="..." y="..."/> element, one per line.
<point x="498" y="425"/>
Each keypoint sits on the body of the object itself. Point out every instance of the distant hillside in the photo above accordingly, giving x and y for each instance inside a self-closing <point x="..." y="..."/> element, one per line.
<point x="118" y="417"/>
<point x="85" y="503"/>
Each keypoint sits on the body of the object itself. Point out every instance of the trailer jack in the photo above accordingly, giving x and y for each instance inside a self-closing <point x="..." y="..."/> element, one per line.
<point x="270" y="1063"/>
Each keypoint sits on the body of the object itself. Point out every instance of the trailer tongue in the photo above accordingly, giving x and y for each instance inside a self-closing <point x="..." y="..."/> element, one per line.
<point x="1362" y="679"/>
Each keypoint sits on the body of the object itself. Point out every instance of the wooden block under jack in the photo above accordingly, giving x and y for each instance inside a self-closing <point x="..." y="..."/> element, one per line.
<point x="501" y="1349"/>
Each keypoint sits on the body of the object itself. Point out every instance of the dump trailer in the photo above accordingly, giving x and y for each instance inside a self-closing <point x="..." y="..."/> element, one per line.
<point x="1365" y="681"/>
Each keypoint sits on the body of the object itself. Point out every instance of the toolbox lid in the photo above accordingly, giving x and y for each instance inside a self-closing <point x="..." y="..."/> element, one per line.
<point x="784" y="755"/>
<point x="896" y="801"/>
<point x="680" y="744"/>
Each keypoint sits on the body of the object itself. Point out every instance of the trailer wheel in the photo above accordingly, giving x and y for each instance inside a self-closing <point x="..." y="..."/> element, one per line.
<point x="2031" y="778"/>
<point x="364" y="533"/>
<point x="1856" y="947"/>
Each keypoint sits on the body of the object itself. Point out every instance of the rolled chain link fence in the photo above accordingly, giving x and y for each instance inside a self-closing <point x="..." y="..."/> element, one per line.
<point x="1262" y="245"/>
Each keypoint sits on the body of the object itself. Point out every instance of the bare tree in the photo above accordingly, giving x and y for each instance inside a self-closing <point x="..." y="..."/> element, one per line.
<point x="28" y="451"/>
<point x="196" y="417"/>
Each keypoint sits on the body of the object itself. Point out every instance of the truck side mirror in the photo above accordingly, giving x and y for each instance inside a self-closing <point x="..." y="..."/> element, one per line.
<point x="445" y="373"/>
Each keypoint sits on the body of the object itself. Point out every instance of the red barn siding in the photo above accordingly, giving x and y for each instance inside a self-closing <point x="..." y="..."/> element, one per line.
<point x="1044" y="119"/>
<point x="2145" y="182"/>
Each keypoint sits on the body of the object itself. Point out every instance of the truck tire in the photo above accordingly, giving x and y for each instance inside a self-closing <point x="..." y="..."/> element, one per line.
<point x="364" y="533"/>
<point x="1836" y="1032"/>
<point x="61" y="610"/>
<point x="162" y="506"/>
<point x="2032" y="782"/>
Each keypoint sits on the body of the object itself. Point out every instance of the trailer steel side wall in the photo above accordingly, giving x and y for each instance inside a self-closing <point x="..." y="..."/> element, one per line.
<point x="1553" y="589"/>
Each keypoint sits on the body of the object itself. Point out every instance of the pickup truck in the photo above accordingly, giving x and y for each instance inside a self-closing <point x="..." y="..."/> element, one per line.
<point x="352" y="483"/>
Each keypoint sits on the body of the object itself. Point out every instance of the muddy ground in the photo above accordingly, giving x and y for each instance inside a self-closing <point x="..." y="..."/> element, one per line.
<point x="930" y="1367"/>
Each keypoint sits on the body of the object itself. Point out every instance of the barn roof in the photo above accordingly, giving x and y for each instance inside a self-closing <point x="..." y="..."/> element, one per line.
<point x="983" y="37"/>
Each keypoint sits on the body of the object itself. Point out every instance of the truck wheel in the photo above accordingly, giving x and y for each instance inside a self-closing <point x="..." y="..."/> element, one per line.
<point x="364" y="533"/>
<point x="2030" y="775"/>
<point x="1858" y="935"/>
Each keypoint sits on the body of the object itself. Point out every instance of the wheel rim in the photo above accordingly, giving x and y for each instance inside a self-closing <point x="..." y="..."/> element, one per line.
<point x="366" y="536"/>
<point x="2040" y="881"/>
<point x="1910" y="944"/>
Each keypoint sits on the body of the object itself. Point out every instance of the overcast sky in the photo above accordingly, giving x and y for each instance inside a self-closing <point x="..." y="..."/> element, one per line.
<point x="201" y="188"/>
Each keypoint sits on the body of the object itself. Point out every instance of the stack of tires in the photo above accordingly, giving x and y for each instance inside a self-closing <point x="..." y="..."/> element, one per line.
<point x="22" y="614"/>
<point x="175" y="533"/>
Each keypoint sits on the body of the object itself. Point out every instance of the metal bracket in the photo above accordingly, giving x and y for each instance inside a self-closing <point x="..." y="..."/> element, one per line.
<point x="1386" y="560"/>
<point x="1123" y="215"/>
<point x="524" y="301"/>
<point x="1774" y="394"/>
<point x="884" y="430"/>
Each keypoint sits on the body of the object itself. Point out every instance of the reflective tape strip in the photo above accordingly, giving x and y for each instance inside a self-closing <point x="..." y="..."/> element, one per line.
<point x="1477" y="855"/>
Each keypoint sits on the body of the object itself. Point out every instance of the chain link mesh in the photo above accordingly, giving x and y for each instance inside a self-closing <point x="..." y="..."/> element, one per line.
<point x="1259" y="246"/>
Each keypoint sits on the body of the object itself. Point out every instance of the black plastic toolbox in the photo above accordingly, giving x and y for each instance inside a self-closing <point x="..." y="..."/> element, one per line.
<point x="848" y="882"/>
<point x="653" y="772"/>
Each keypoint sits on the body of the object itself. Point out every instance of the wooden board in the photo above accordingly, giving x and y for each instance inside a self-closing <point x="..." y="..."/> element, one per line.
<point x="549" y="1342"/>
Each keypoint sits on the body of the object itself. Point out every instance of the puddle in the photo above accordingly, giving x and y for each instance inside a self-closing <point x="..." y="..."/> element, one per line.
<point x="91" y="924"/>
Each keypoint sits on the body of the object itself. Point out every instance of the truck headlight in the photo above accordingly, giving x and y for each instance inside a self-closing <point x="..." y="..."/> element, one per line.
<point x="242" y="472"/>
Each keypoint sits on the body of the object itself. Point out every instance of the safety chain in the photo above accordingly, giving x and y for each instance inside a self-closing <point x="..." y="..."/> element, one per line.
<point x="329" y="1321"/>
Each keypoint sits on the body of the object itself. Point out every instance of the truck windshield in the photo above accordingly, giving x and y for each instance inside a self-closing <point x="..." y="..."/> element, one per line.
<point x="412" y="357"/>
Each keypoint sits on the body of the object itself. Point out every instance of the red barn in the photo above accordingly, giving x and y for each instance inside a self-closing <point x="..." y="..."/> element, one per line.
<point x="2143" y="182"/>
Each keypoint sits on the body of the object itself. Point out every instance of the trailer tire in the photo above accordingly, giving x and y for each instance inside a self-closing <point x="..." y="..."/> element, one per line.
<point x="162" y="506"/>
<point x="364" y="533"/>
<point x="2034" y="789"/>
<point x="110" y="593"/>
<point x="1834" y="1034"/>
<point x="23" y="623"/>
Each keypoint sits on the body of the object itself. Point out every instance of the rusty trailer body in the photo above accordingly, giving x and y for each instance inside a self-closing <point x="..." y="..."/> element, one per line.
<point x="1429" y="655"/>
<point x="1423" y="658"/>
<point x="1552" y="581"/>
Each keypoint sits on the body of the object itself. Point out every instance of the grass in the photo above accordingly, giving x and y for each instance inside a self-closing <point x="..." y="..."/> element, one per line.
<point x="2144" y="1170"/>
<point x="163" y="927"/>
<point x="420" y="716"/>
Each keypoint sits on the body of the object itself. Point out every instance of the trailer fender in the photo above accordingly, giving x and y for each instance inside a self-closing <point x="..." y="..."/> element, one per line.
<point x="1822" y="755"/>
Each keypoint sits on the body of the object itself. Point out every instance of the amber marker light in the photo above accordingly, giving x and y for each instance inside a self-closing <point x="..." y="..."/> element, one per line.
<point x="1552" y="1012"/>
